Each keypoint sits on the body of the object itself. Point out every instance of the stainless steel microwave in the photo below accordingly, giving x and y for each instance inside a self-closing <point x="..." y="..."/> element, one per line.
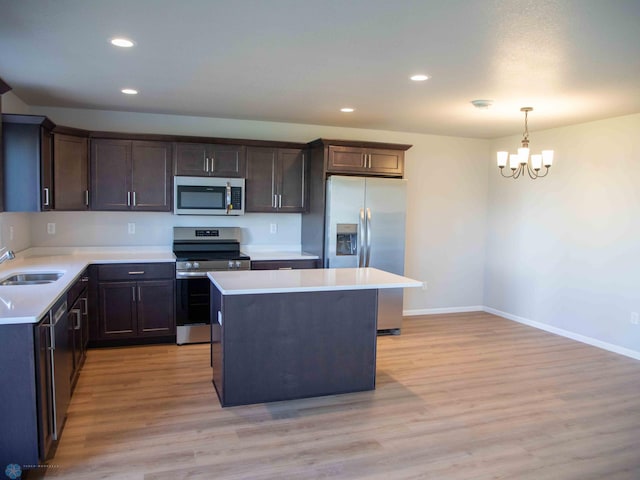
<point x="208" y="196"/>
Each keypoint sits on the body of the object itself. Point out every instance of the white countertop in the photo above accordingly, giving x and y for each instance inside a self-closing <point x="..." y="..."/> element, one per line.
<point x="28" y="303"/>
<point x="284" y="252"/>
<point x="311" y="280"/>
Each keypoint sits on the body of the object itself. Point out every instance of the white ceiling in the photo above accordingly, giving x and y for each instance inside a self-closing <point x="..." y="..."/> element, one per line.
<point x="300" y="61"/>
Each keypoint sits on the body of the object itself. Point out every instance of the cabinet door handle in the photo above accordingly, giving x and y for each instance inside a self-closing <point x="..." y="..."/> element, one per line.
<point x="213" y="164"/>
<point x="206" y="164"/>
<point x="134" y="199"/>
<point x="77" y="314"/>
<point x="137" y="272"/>
<point x="86" y="197"/>
<point x="133" y="294"/>
<point x="279" y="201"/>
<point x="128" y="199"/>
<point x="85" y="306"/>
<point x="274" y="200"/>
<point x="139" y="294"/>
<point x="46" y="197"/>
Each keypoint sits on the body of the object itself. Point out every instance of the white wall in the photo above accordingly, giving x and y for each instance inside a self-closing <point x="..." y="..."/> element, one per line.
<point x="11" y="103"/>
<point x="564" y="251"/>
<point x="445" y="216"/>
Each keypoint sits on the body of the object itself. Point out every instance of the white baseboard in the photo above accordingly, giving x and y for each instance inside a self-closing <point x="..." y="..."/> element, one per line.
<point x="437" y="311"/>
<point x="627" y="352"/>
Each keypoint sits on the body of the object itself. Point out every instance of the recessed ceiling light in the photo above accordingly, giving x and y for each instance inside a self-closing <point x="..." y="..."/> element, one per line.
<point x="419" y="78"/>
<point x="121" y="42"/>
<point x="129" y="91"/>
<point x="347" y="110"/>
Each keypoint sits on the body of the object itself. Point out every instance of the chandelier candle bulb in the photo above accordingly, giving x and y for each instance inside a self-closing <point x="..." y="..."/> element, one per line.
<point x="502" y="159"/>
<point x="536" y="161"/>
<point x="514" y="160"/>
<point x="547" y="158"/>
<point x="523" y="153"/>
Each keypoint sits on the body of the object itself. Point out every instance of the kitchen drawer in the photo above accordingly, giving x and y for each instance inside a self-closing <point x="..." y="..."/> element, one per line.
<point x="136" y="271"/>
<point x="283" y="264"/>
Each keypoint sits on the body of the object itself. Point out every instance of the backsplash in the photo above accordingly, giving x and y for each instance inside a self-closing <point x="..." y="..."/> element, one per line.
<point x="15" y="230"/>
<point x="152" y="228"/>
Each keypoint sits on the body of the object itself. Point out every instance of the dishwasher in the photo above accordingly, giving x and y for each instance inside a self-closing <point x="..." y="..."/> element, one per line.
<point x="55" y="365"/>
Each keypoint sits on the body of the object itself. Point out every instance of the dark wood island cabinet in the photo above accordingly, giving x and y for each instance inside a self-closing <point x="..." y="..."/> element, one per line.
<point x="286" y="334"/>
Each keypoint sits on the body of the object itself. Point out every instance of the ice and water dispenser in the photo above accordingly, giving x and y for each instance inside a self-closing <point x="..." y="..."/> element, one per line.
<point x="347" y="239"/>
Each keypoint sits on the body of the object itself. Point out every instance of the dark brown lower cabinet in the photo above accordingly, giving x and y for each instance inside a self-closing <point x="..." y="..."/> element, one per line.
<point x="283" y="264"/>
<point x="136" y="309"/>
<point x="78" y="312"/>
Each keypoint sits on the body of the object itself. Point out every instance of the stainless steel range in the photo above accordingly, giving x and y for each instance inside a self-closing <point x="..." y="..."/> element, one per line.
<point x="199" y="250"/>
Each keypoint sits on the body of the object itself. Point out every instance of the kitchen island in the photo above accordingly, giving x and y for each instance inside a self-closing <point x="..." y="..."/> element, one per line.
<point x="285" y="334"/>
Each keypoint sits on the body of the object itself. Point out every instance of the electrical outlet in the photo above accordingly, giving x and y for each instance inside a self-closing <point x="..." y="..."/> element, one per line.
<point x="131" y="228"/>
<point x="635" y="318"/>
<point x="273" y="228"/>
<point x="51" y="228"/>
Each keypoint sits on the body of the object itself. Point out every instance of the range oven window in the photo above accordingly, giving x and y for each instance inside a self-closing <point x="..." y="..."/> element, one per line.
<point x="201" y="197"/>
<point x="193" y="301"/>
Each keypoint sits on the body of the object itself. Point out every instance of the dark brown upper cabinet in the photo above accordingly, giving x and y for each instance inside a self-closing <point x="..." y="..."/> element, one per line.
<point x="365" y="161"/>
<point x="131" y="175"/>
<point x="70" y="172"/>
<point x="27" y="163"/>
<point x="276" y="180"/>
<point x="204" y="160"/>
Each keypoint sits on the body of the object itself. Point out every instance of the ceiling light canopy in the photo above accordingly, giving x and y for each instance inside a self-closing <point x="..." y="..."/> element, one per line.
<point x="129" y="91"/>
<point x="419" y="77"/>
<point x="482" y="104"/>
<point x="122" y="42"/>
<point x="519" y="162"/>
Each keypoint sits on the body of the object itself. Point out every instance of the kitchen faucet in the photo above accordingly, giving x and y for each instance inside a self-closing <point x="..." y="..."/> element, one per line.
<point x="7" y="255"/>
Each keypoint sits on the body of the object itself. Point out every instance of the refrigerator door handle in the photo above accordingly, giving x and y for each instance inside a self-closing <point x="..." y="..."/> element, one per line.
<point x="361" y="240"/>
<point x="368" y="237"/>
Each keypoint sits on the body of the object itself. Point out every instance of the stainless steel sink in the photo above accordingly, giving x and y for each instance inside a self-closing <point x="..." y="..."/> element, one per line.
<point x="39" y="278"/>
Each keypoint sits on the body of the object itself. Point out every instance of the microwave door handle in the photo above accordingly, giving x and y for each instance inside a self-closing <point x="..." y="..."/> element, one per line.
<point x="229" y="206"/>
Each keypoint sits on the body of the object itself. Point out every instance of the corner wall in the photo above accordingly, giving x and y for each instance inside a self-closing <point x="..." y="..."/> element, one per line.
<point x="563" y="252"/>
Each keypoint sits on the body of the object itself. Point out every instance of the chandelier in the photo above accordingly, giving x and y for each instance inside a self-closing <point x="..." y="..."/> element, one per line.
<point x="520" y="162"/>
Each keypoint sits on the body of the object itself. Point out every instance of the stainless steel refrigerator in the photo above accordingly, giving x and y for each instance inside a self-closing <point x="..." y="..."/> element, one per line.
<point x="365" y="225"/>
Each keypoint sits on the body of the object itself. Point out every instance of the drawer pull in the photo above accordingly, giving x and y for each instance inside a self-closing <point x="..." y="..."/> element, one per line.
<point x="139" y="272"/>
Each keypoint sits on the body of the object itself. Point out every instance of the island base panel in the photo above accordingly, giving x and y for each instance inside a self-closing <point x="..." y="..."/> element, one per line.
<point x="294" y="345"/>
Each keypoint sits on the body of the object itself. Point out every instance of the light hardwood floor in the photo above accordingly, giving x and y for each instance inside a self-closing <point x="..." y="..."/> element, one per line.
<point x="461" y="396"/>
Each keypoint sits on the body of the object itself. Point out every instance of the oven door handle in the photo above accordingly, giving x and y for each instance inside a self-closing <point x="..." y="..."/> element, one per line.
<point x="187" y="275"/>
